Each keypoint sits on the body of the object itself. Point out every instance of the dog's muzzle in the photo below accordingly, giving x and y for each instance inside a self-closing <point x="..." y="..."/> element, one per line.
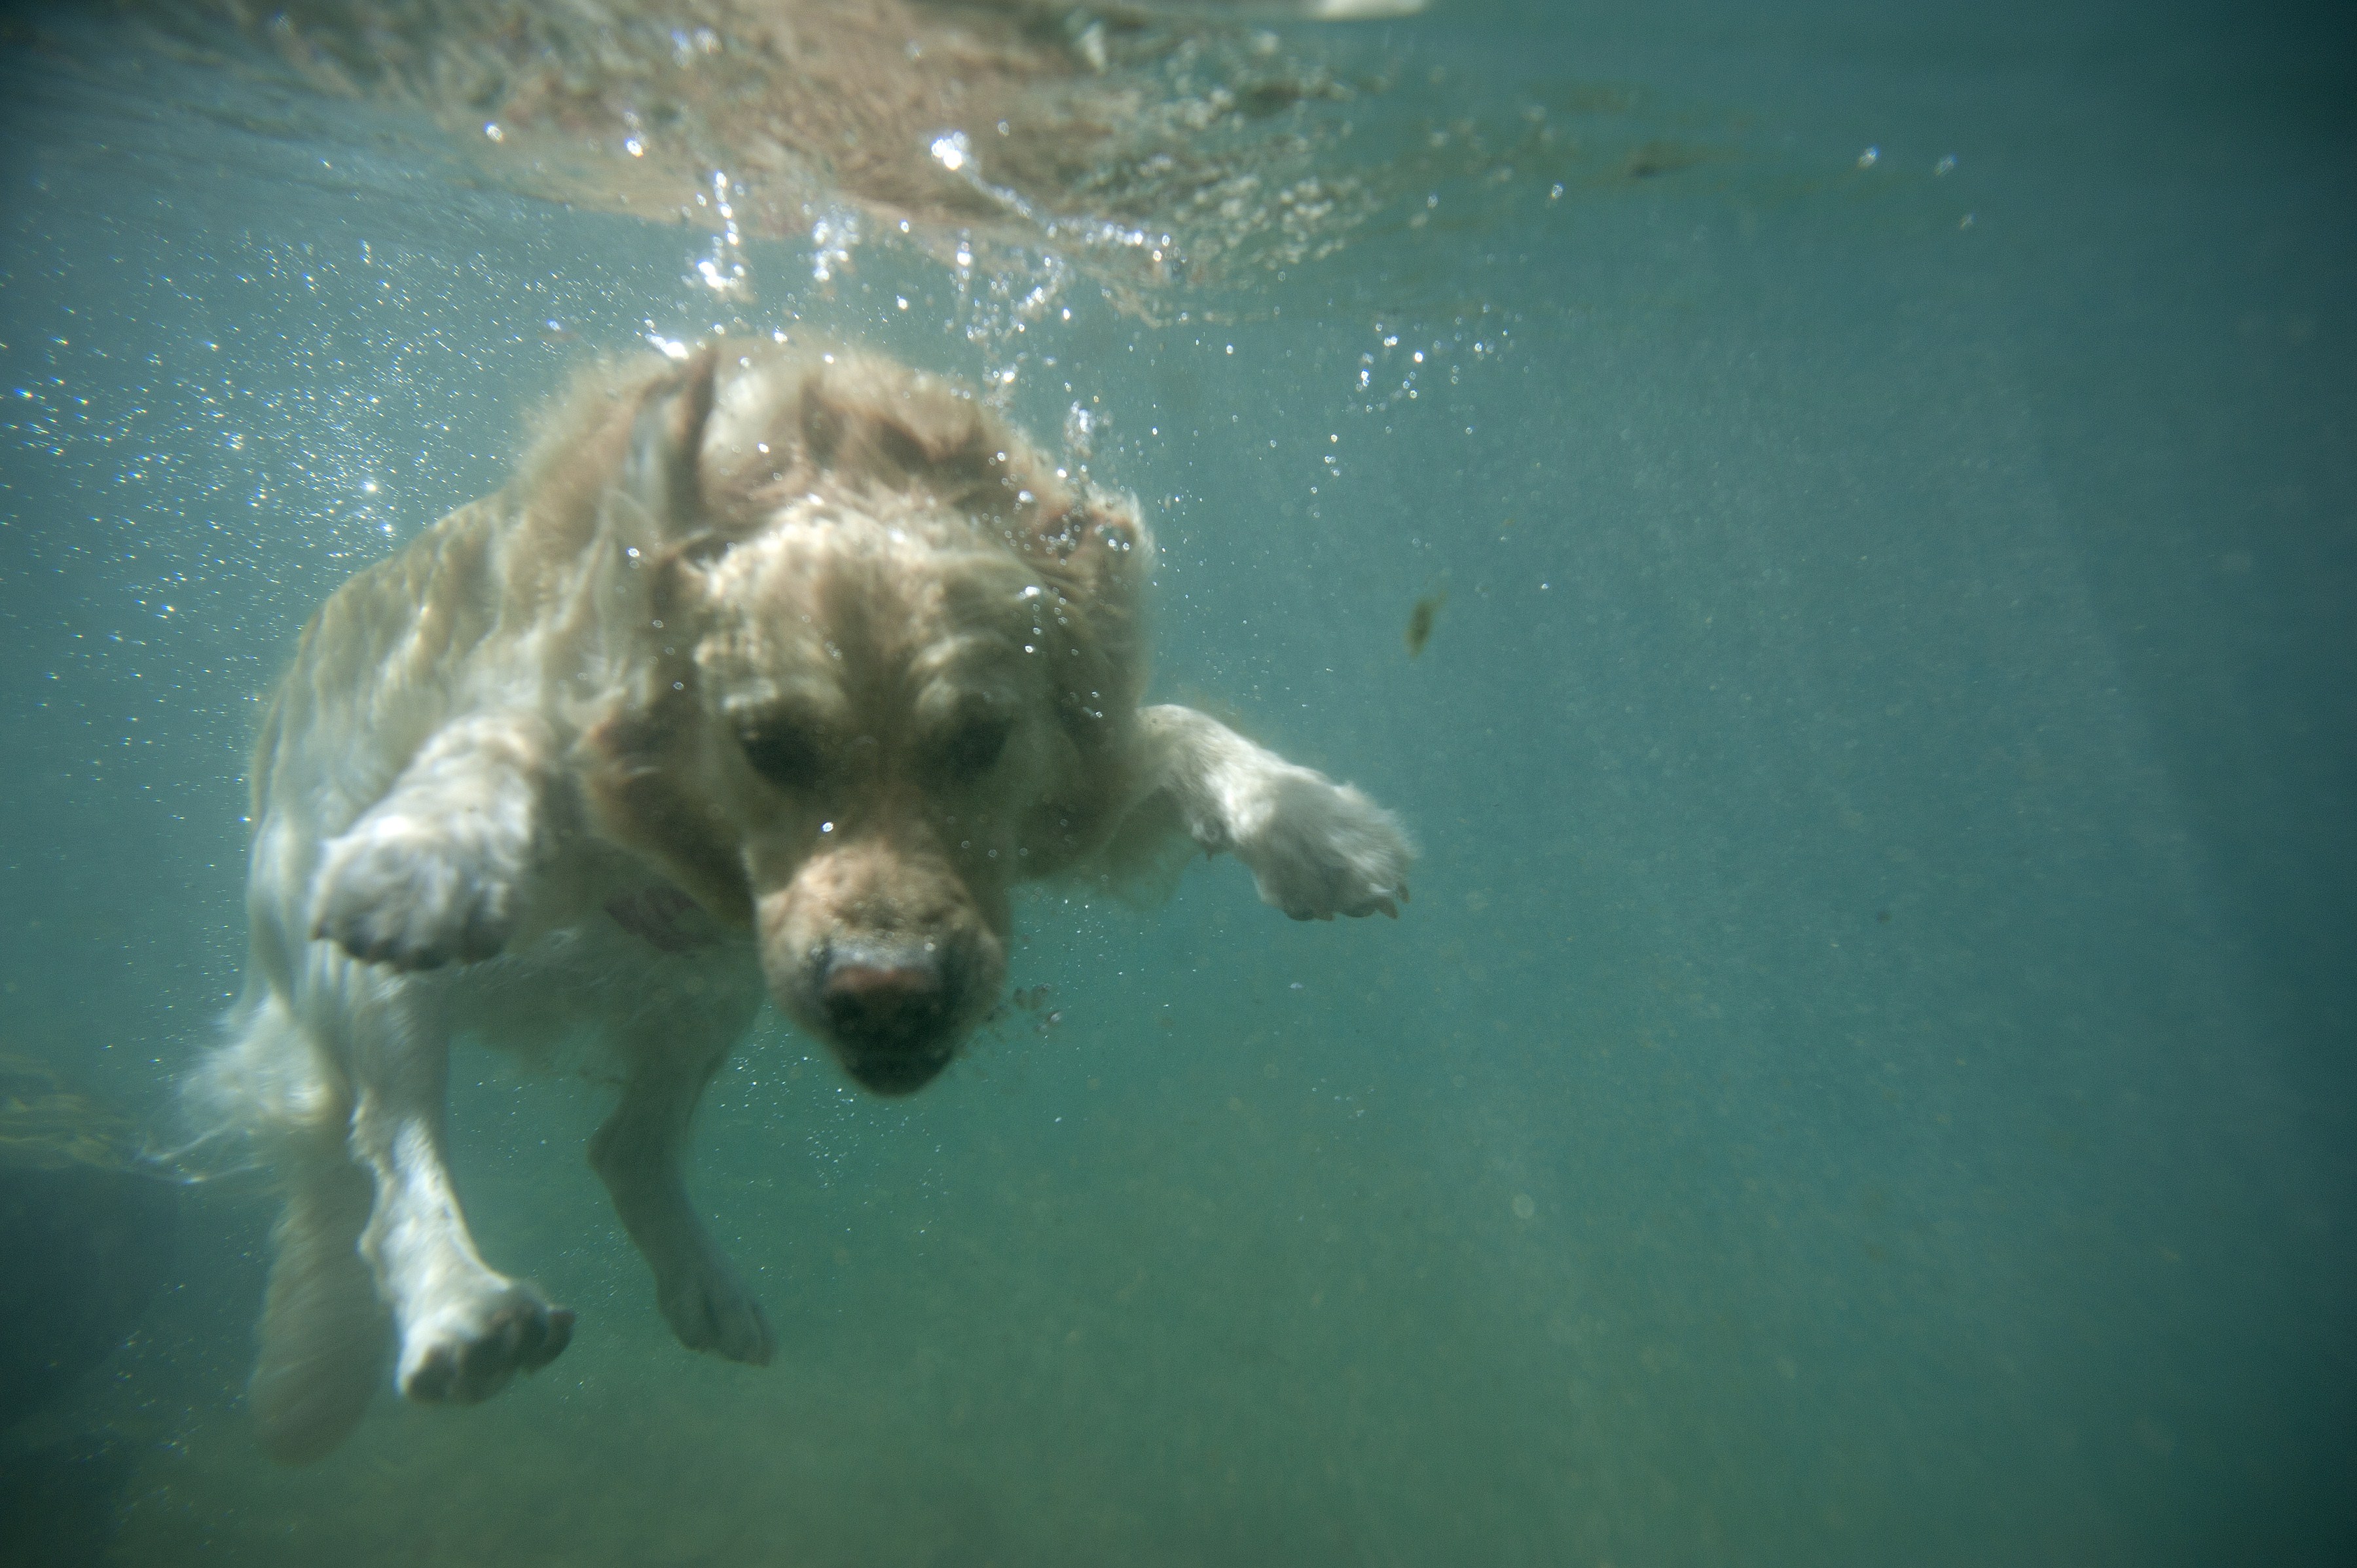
<point x="890" y="1006"/>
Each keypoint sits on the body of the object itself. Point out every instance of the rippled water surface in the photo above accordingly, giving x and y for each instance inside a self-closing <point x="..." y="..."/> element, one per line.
<point x="1866" y="1075"/>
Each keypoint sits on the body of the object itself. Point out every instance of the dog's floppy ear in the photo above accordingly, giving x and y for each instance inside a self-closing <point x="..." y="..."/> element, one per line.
<point x="1103" y="542"/>
<point x="663" y="473"/>
<point x="1099" y="552"/>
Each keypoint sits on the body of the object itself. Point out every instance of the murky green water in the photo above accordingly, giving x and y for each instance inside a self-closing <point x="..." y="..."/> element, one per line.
<point x="1865" y="1077"/>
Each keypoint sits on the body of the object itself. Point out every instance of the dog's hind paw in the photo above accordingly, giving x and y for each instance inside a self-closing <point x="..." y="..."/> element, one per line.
<point x="468" y="1350"/>
<point x="709" y="1309"/>
<point x="414" y="893"/>
<point x="1319" y="849"/>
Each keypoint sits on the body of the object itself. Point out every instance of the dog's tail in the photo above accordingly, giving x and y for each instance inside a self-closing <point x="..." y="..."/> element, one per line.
<point x="255" y="1084"/>
<point x="269" y="1091"/>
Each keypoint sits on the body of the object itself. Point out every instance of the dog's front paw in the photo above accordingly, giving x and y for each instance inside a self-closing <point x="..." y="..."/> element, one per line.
<point x="414" y="894"/>
<point x="466" y="1350"/>
<point x="1319" y="848"/>
<point x="709" y="1309"/>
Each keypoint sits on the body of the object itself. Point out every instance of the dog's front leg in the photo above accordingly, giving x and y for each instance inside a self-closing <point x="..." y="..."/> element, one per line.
<point x="464" y="1328"/>
<point x="1315" y="848"/>
<point x="434" y="872"/>
<point x="639" y="1153"/>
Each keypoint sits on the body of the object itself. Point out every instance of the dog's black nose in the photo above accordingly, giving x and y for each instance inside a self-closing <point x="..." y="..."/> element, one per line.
<point x="890" y="1007"/>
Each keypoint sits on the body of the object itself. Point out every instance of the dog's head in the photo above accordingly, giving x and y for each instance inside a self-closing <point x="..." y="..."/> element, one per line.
<point x="879" y="662"/>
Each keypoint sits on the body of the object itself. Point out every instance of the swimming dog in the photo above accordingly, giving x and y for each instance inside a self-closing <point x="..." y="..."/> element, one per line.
<point x="769" y="674"/>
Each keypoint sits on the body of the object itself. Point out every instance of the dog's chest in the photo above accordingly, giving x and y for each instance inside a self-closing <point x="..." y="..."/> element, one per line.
<point x="611" y="979"/>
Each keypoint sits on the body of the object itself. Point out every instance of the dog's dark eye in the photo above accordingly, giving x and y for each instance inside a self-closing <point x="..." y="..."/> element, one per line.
<point x="782" y="752"/>
<point x="975" y="746"/>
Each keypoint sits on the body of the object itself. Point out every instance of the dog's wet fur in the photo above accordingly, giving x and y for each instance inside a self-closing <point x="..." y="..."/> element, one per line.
<point x="769" y="674"/>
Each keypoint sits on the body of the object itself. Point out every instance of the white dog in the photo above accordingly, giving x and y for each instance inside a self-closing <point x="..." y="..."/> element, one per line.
<point x="765" y="668"/>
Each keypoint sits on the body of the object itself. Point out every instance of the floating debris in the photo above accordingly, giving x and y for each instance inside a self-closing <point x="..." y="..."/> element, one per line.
<point x="1657" y="158"/>
<point x="1420" y="619"/>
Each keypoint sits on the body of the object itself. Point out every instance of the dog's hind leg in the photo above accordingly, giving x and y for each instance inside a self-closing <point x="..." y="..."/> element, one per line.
<point x="639" y="1153"/>
<point x="464" y="1328"/>
<point x="324" y="1330"/>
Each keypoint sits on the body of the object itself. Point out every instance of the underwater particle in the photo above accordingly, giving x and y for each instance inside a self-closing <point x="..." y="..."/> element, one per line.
<point x="1420" y="619"/>
<point x="1524" y="1206"/>
<point x="1867" y="158"/>
<point x="1657" y="158"/>
<point x="1882" y="916"/>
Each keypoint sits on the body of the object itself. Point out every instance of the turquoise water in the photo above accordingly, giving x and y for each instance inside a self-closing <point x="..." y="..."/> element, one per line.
<point x="1865" y="1077"/>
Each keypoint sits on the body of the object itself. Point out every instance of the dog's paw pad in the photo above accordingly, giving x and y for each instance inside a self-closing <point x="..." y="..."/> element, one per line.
<point x="466" y="1355"/>
<point x="409" y="894"/>
<point x="1323" y="849"/>
<point x="708" y="1306"/>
